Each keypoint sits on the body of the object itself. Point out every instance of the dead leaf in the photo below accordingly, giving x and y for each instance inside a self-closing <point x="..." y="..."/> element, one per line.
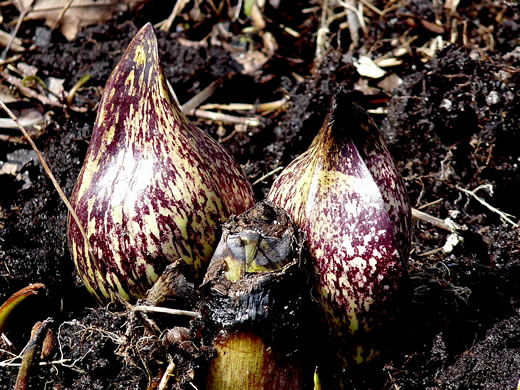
<point x="252" y="61"/>
<point x="390" y="82"/>
<point x="26" y="69"/>
<point x="363" y="86"/>
<point x="81" y="13"/>
<point x="55" y="87"/>
<point x="451" y="5"/>
<point x="366" y="67"/>
<point x="257" y="18"/>
<point x="15" y="164"/>
<point x="270" y="44"/>
<point x="433" y="27"/>
<point x="7" y="168"/>
<point x="7" y="95"/>
<point x="387" y="62"/>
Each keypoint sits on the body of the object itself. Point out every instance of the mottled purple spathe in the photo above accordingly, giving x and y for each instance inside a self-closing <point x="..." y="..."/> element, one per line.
<point x="346" y="194"/>
<point x="153" y="187"/>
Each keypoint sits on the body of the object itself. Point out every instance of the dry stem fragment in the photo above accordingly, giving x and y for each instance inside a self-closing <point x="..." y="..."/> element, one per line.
<point x="503" y="216"/>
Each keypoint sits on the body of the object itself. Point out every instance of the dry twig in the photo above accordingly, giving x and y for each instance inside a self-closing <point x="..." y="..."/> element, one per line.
<point x="163" y="385"/>
<point x="442" y="224"/>
<point x="190" y="106"/>
<point x="503" y="216"/>
<point x="53" y="180"/>
<point x="165" y="310"/>
<point x="267" y="175"/>
<point x="30" y="354"/>
<point x="323" y="31"/>
<point x="17" y="27"/>
<point x="355" y="20"/>
<point x="8" y="39"/>
<point x="62" y="14"/>
<point x="263" y="108"/>
<point x="166" y="25"/>
<point x="226" y="118"/>
<point x="35" y="95"/>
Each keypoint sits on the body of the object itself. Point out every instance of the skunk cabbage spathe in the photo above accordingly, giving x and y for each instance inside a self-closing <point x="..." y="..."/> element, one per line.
<point x="347" y="196"/>
<point x="153" y="186"/>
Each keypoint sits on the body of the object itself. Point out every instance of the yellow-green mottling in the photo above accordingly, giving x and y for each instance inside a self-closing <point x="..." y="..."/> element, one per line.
<point x="153" y="187"/>
<point x="346" y="194"/>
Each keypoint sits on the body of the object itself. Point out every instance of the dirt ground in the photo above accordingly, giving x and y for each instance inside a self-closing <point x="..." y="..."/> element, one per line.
<point x="448" y="106"/>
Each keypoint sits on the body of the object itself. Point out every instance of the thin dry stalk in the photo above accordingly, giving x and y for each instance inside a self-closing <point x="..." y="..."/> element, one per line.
<point x="203" y="95"/>
<point x="35" y="95"/>
<point x="17" y="27"/>
<point x="177" y="9"/>
<point x="45" y="167"/>
<point x="10" y="60"/>
<point x="6" y="39"/>
<point x="163" y="385"/>
<point x="85" y="5"/>
<point x="165" y="310"/>
<point x="423" y="206"/>
<point x="372" y="7"/>
<point x="442" y="224"/>
<point x="503" y="216"/>
<point x="263" y="108"/>
<point x="321" y="36"/>
<point x="355" y="20"/>
<point x="267" y="175"/>
<point x="62" y="14"/>
<point x="225" y="118"/>
<point x="53" y="180"/>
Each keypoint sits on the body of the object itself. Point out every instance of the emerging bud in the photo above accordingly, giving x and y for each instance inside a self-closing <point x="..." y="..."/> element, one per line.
<point x="258" y="304"/>
<point x="153" y="187"/>
<point x="346" y="194"/>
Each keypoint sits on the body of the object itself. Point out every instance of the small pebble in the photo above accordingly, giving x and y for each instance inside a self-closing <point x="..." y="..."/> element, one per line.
<point x="446" y="104"/>
<point x="493" y="98"/>
<point x="42" y="37"/>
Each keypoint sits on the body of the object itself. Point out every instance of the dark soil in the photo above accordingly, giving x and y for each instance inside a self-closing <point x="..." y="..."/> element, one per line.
<point x="452" y="125"/>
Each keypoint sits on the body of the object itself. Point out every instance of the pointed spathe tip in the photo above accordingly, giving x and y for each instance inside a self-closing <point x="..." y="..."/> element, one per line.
<point x="136" y="76"/>
<point x="346" y="117"/>
<point x="145" y="35"/>
<point x="145" y="39"/>
<point x="147" y="30"/>
<point x="141" y="53"/>
<point x="342" y="104"/>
